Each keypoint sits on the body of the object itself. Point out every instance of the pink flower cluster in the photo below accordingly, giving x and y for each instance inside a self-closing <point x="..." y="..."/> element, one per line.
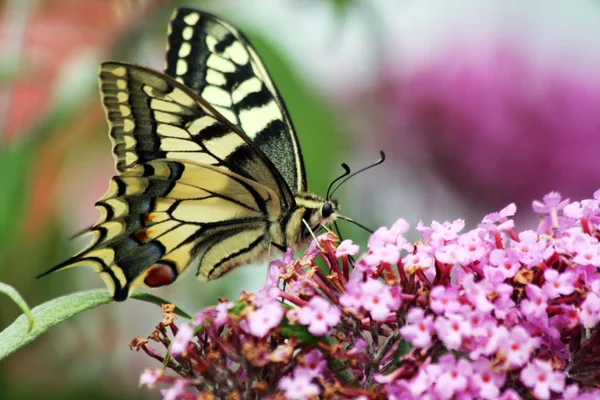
<point x="484" y="314"/>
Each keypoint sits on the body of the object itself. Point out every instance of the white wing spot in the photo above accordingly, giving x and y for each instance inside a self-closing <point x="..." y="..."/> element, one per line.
<point x="119" y="71"/>
<point x="122" y="97"/>
<point x="185" y="49"/>
<point x="187" y="32"/>
<point x="182" y="67"/>
<point x="224" y="145"/>
<point x="128" y="125"/>
<point x="219" y="63"/>
<point x="125" y="111"/>
<point x="237" y="53"/>
<point x="216" y="95"/>
<point x="211" y="42"/>
<point x="149" y="90"/>
<point x="197" y="125"/>
<point x="245" y="88"/>
<point x="192" y="18"/>
<point x="215" y="78"/>
<point x="256" y="119"/>
<point x="129" y="142"/>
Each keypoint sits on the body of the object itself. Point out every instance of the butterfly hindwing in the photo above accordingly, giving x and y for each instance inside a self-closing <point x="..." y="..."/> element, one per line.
<point x="160" y="216"/>
<point x="216" y="61"/>
<point x="151" y="116"/>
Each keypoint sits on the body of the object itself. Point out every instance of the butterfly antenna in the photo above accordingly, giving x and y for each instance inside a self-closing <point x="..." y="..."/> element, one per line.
<point x="355" y="223"/>
<point x="345" y="174"/>
<point x="348" y="175"/>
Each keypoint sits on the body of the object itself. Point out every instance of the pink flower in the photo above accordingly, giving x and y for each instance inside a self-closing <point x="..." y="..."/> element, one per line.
<point x="487" y="380"/>
<point x="373" y="296"/>
<point x="347" y="248"/>
<point x="535" y="304"/>
<point x="539" y="376"/>
<point x="150" y="377"/>
<point x="477" y="293"/>
<point x="265" y="318"/>
<point x="527" y="248"/>
<point x="175" y="392"/>
<point x="507" y="262"/>
<point x="320" y="315"/>
<point x="551" y="203"/>
<point x="518" y="346"/>
<point x="500" y="216"/>
<point x="557" y="284"/>
<point x="453" y="254"/>
<point x="444" y="299"/>
<point x="180" y="343"/>
<point x="298" y="386"/>
<point x="314" y="364"/>
<point x="447" y="230"/>
<point x="419" y="260"/>
<point x="451" y="330"/>
<point x="454" y="378"/>
<point x="590" y="311"/>
<point x="387" y="253"/>
<point x="378" y="300"/>
<point x="222" y="313"/>
<point x="418" y="329"/>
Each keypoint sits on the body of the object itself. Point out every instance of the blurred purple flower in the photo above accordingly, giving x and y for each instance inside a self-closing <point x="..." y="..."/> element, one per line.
<point x="497" y="122"/>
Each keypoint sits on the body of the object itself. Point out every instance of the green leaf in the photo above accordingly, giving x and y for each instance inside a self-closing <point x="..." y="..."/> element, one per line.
<point x="16" y="297"/>
<point x="57" y="311"/>
<point x="150" y="298"/>
<point x="300" y="332"/>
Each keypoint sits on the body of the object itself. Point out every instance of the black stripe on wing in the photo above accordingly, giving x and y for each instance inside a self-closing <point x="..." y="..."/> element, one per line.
<point x="217" y="61"/>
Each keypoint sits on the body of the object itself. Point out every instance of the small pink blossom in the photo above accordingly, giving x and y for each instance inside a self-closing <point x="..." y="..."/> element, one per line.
<point x="518" y="346"/>
<point x="535" y="304"/>
<point x="454" y="377"/>
<point x="590" y="311"/>
<point x="347" y="248"/>
<point x="180" y="343"/>
<point x="265" y="318"/>
<point x="175" y="392"/>
<point x="444" y="299"/>
<point x="551" y="202"/>
<point x="451" y="330"/>
<point x="418" y="329"/>
<point x="558" y="284"/>
<point x="299" y="386"/>
<point x="539" y="376"/>
<point x="319" y="315"/>
<point x="150" y="377"/>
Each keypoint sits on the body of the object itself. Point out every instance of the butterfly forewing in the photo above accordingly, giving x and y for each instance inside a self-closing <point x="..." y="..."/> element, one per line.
<point x="152" y="116"/>
<point x="216" y="61"/>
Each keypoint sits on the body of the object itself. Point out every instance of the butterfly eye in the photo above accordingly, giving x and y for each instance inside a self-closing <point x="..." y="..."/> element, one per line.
<point x="326" y="210"/>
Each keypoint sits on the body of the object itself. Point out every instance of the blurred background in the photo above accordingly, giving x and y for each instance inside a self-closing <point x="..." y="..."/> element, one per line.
<point x="477" y="104"/>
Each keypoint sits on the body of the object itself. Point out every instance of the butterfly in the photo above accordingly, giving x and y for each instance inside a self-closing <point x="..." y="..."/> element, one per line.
<point x="210" y="171"/>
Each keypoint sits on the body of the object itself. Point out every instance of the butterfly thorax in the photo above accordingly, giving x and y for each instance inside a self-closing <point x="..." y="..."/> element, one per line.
<point x="310" y="211"/>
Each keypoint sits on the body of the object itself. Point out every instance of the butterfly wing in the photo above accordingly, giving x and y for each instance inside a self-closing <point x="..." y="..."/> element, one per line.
<point x="160" y="216"/>
<point x="216" y="61"/>
<point x="151" y="116"/>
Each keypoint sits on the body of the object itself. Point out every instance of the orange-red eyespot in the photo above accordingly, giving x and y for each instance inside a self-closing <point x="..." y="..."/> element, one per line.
<point x="149" y="218"/>
<point x="142" y="236"/>
<point x="160" y="274"/>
